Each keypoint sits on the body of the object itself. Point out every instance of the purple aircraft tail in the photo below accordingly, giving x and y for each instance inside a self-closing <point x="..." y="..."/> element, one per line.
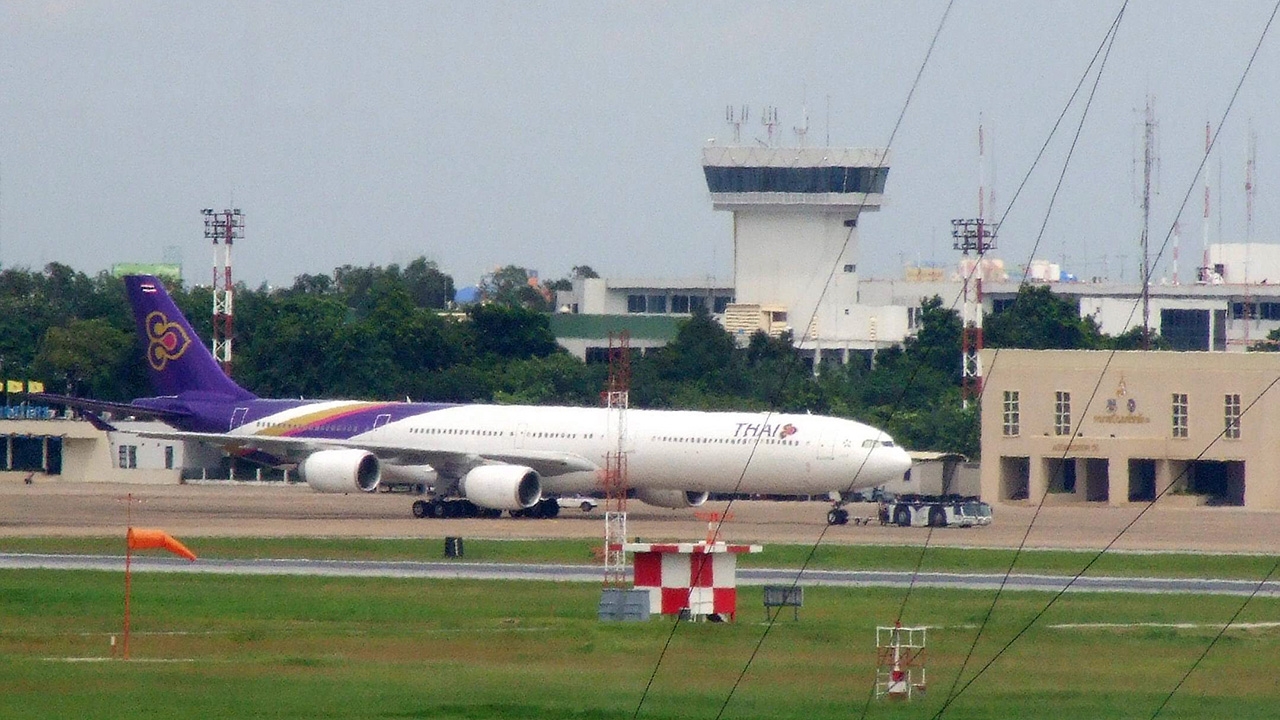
<point x="176" y="359"/>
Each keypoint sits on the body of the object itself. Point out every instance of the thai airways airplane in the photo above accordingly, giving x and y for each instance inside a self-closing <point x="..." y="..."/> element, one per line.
<point x="483" y="459"/>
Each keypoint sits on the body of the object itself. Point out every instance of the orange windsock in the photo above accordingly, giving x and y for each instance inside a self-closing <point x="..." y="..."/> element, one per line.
<point x="140" y="539"/>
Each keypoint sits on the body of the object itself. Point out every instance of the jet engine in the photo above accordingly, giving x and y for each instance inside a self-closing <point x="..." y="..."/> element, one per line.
<point x="341" y="471"/>
<point x="502" y="487"/>
<point x="672" y="498"/>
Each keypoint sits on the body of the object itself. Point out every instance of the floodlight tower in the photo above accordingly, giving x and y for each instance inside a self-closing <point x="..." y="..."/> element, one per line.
<point x="974" y="235"/>
<point x="223" y="227"/>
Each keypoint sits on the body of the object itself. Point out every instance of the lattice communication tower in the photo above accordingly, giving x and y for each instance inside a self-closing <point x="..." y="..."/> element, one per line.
<point x="617" y="398"/>
<point x="223" y="228"/>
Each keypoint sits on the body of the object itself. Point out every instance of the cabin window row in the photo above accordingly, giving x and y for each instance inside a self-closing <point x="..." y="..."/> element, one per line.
<point x="723" y="441"/>
<point x="501" y="433"/>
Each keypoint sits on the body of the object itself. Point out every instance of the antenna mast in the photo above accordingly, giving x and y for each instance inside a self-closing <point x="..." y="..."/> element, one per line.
<point x="978" y="236"/>
<point x="1203" y="273"/>
<point x="225" y="227"/>
<point x="736" y="117"/>
<point x="1250" y="168"/>
<point x="770" y="122"/>
<point x="1148" y="162"/>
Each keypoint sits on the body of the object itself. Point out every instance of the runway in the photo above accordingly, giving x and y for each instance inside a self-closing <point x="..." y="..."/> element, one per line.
<point x="588" y="573"/>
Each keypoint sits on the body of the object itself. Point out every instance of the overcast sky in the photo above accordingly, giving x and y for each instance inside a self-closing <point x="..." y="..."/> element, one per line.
<point x="555" y="134"/>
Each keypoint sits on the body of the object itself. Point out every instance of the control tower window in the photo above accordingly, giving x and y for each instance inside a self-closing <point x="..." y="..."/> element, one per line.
<point x="796" y="180"/>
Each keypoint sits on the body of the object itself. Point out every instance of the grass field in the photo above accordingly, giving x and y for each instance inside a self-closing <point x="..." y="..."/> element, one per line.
<point x="290" y="647"/>
<point x="826" y="557"/>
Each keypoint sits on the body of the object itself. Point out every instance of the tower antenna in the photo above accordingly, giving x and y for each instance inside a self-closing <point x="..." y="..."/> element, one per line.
<point x="1203" y="273"/>
<point x="974" y="235"/>
<point x="223" y="228"/>
<point x="1148" y="164"/>
<point x="770" y="121"/>
<point x="736" y="117"/>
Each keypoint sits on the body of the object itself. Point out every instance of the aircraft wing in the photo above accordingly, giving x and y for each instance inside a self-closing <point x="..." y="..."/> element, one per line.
<point x="547" y="463"/>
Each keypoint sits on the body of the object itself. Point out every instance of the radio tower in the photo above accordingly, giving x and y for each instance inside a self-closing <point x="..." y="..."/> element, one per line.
<point x="1148" y="163"/>
<point x="1203" y="273"/>
<point x="223" y="228"/>
<point x="978" y="236"/>
<point x="1249" y="176"/>
<point x="616" y="485"/>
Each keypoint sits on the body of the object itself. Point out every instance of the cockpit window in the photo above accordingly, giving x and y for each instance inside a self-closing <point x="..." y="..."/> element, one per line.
<point x="874" y="443"/>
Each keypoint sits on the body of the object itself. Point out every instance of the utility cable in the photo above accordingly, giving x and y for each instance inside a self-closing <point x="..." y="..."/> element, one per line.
<point x="955" y="693"/>
<point x="825" y="288"/>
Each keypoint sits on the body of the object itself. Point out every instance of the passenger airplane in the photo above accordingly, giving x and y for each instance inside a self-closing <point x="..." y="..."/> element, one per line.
<point x="483" y="459"/>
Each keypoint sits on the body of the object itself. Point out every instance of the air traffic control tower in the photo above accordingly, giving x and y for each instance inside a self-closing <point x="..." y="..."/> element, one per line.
<point x="795" y="242"/>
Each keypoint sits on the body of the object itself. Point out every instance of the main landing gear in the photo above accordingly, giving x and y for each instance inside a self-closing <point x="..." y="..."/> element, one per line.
<point x="455" y="508"/>
<point x="439" y="508"/>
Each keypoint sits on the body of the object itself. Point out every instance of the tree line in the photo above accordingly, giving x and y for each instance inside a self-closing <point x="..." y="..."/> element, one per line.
<point x="391" y="333"/>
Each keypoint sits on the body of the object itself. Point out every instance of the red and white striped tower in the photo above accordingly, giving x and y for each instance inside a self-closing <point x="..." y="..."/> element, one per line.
<point x="617" y="398"/>
<point x="223" y="228"/>
<point x="974" y="235"/>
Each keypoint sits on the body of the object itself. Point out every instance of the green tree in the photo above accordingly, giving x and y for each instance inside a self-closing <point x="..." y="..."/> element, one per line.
<point x="514" y="285"/>
<point x="87" y="354"/>
<point x="701" y="352"/>
<point x="1040" y="320"/>
<point x="511" y="332"/>
<point x="427" y="285"/>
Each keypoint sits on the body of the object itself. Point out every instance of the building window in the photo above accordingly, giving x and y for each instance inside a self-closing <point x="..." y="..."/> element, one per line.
<point x="657" y="304"/>
<point x="1243" y="311"/>
<point x="679" y="303"/>
<point x="635" y="303"/>
<point x="1179" y="415"/>
<point x="1011" y="413"/>
<point x="721" y="302"/>
<point x="697" y="302"/>
<point x="168" y="457"/>
<point x="1232" y="417"/>
<point x="128" y="456"/>
<point x="1062" y="413"/>
<point x="913" y="318"/>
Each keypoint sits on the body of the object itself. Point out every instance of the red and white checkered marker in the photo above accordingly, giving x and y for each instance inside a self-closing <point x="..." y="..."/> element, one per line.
<point x="699" y="577"/>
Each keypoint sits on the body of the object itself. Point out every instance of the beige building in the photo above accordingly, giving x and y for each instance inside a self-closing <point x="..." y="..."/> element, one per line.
<point x="1114" y="428"/>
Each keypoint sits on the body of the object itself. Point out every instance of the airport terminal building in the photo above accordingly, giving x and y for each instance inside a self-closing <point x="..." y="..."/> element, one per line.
<point x="1115" y="428"/>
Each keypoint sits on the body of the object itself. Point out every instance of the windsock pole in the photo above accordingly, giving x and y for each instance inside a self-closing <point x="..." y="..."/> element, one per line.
<point x="128" y="574"/>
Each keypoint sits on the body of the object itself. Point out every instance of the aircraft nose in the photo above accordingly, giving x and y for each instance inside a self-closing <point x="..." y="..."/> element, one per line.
<point x="901" y="461"/>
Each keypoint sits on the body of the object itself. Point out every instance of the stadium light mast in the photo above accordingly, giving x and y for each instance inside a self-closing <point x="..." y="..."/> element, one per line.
<point x="223" y="228"/>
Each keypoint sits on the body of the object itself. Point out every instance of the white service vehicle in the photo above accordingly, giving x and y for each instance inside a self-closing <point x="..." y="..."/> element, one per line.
<point x="585" y="504"/>
<point x="934" y="511"/>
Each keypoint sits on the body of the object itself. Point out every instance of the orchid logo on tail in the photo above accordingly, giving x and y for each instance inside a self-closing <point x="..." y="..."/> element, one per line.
<point x="166" y="340"/>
